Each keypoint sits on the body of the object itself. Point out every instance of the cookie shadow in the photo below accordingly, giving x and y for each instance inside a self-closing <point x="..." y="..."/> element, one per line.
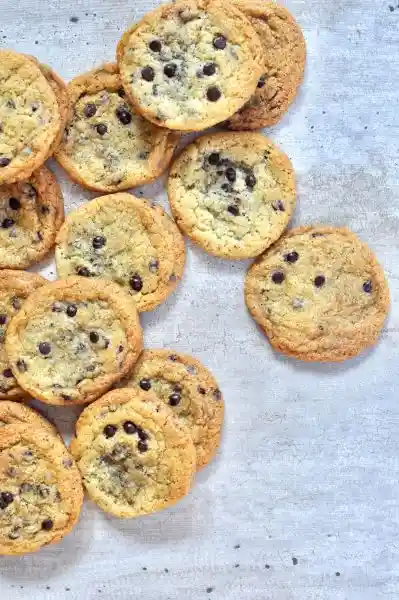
<point x="63" y="417"/>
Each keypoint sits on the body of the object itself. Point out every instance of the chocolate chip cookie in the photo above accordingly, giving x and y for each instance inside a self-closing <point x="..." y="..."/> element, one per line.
<point x="31" y="212"/>
<point x="107" y="146"/>
<point x="134" y="455"/>
<point x="319" y="294"/>
<point x="41" y="491"/>
<point x="15" y="287"/>
<point x="185" y="385"/>
<point x="73" y="339"/>
<point x="232" y="193"/>
<point x="15" y="413"/>
<point x="190" y="65"/>
<point x="126" y="240"/>
<point x="30" y="119"/>
<point x="284" y="56"/>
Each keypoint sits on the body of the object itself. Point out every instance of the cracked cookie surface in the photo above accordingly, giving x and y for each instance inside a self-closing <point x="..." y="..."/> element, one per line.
<point x="126" y="240"/>
<point x="319" y="294"/>
<point x="232" y="193"/>
<point x="190" y="65"/>
<point x="284" y="56"/>
<point x="15" y="413"/>
<point x="29" y="117"/>
<point x="107" y="146"/>
<point x="134" y="455"/>
<point x="15" y="287"/>
<point x="73" y="339"/>
<point x="41" y="491"/>
<point x="189" y="389"/>
<point x="31" y="212"/>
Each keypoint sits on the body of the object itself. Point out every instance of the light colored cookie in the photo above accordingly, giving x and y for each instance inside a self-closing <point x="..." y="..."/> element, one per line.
<point x="61" y="93"/>
<point x="15" y="287"/>
<point x="319" y="294"/>
<point x="191" y="64"/>
<point x="191" y="391"/>
<point x="126" y="240"/>
<point x="232" y="193"/>
<point x="41" y="490"/>
<point x="134" y="455"/>
<point x="15" y="413"/>
<point x="285" y="57"/>
<point x="73" y="339"/>
<point x="29" y="117"/>
<point x="31" y="212"/>
<point x="107" y="146"/>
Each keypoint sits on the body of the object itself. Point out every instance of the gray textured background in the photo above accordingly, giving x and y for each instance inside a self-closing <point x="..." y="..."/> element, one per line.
<point x="309" y="464"/>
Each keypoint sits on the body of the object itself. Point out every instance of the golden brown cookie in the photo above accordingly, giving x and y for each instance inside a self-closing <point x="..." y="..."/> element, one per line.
<point x="191" y="64"/>
<point x="319" y="294"/>
<point x="285" y="57"/>
<point x="30" y="119"/>
<point x="15" y="413"/>
<point x="126" y="240"/>
<point x="41" y="490"/>
<point x="184" y="384"/>
<point x="134" y="455"/>
<point x="232" y="193"/>
<point x="31" y="213"/>
<point x="107" y="146"/>
<point x="73" y="339"/>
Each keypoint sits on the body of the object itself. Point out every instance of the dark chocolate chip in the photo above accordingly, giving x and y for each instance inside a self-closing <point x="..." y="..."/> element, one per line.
<point x="214" y="158"/>
<point x="261" y="82"/>
<point x="71" y="310"/>
<point x="90" y="110"/>
<point x="83" y="272"/>
<point x="213" y="94"/>
<point x="148" y="74"/>
<point x="10" y="104"/>
<point x="44" y="348"/>
<point x="217" y="394"/>
<point x="278" y="205"/>
<point x="16" y="302"/>
<point x="101" y="129"/>
<point x="174" y="399"/>
<point x="4" y="161"/>
<point x="155" y="46"/>
<point x="230" y="174"/>
<point x="98" y="241"/>
<point x="14" y="203"/>
<point x="109" y="431"/>
<point x="173" y="357"/>
<point x="129" y="427"/>
<point x="209" y="69"/>
<point x="291" y="257"/>
<point x="123" y="115"/>
<point x="233" y="210"/>
<point x="120" y="349"/>
<point x="29" y="190"/>
<point x="278" y="277"/>
<point x="219" y="42"/>
<point x="6" y="498"/>
<point x="250" y="180"/>
<point x="145" y="384"/>
<point x="121" y="93"/>
<point x="142" y="434"/>
<point x="201" y="390"/>
<point x="7" y="373"/>
<point x="170" y="70"/>
<point x="21" y="366"/>
<point x="47" y="524"/>
<point x="94" y="337"/>
<point x="368" y="286"/>
<point x="136" y="282"/>
<point x="3" y="319"/>
<point x="319" y="281"/>
<point x="142" y="446"/>
<point x="7" y="223"/>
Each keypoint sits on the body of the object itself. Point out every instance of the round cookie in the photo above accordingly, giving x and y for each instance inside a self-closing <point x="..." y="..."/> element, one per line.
<point x="134" y="455"/>
<point x="284" y="56"/>
<point x="41" y="491"/>
<point x="29" y="117"/>
<point x="185" y="385"/>
<point x="31" y="212"/>
<point x="73" y="339"/>
<point x="319" y="294"/>
<point x="191" y="64"/>
<point x="15" y="287"/>
<point x="107" y="146"/>
<point x="126" y="240"/>
<point x="232" y="193"/>
<point x="15" y="413"/>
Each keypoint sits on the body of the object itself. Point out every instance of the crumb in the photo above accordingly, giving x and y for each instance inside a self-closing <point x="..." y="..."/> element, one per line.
<point x="337" y="573"/>
<point x="236" y="565"/>
<point x="267" y="566"/>
<point x="294" y="561"/>
<point x="166" y="570"/>
<point x="74" y="19"/>
<point x="237" y="546"/>
<point x="209" y="590"/>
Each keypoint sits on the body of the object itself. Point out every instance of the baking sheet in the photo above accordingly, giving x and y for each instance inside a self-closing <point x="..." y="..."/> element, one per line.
<point x="306" y="481"/>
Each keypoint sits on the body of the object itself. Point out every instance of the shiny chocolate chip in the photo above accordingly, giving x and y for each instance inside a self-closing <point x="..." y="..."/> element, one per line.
<point x="219" y="42"/>
<point x="136" y="283"/>
<point x="129" y="427"/>
<point x="148" y="74"/>
<point x="213" y="94"/>
<point x="90" y="110"/>
<point x="214" y="159"/>
<point x="47" y="524"/>
<point x="291" y="257"/>
<point x="109" y="431"/>
<point x="123" y="115"/>
<point x="101" y="129"/>
<point x="71" y="310"/>
<point x="278" y="277"/>
<point x="209" y="69"/>
<point x="368" y="286"/>
<point x="155" y="46"/>
<point x="14" y="203"/>
<point x="44" y="348"/>
<point x="98" y="241"/>
<point x="174" y="399"/>
<point x="145" y="384"/>
<point x="7" y="223"/>
<point x="319" y="281"/>
<point x="170" y="70"/>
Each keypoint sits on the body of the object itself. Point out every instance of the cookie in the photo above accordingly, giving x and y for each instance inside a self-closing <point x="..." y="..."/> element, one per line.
<point x="30" y="119"/>
<point x="191" y="64"/>
<point x="15" y="413"/>
<point x="134" y="455"/>
<point x="31" y="212"/>
<point x="319" y="294"/>
<point x="107" y="146"/>
<point x="232" y="193"/>
<point x="41" y="491"/>
<point x="72" y="340"/>
<point x="284" y="56"/>
<point x="191" y="391"/>
<point x="126" y="240"/>
<point x="15" y="287"/>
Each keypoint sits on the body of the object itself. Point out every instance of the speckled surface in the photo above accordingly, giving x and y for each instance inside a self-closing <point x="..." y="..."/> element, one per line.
<point x="307" y="478"/>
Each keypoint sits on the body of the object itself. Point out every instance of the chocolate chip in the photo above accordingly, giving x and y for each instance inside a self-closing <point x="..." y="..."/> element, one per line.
<point x="142" y="434"/>
<point x="155" y="46"/>
<point x="174" y="399"/>
<point x="209" y="69"/>
<point x="10" y="104"/>
<point x="6" y="498"/>
<point x="219" y="42"/>
<point x="121" y="93"/>
<point x="278" y="277"/>
<point x="39" y="236"/>
<point x="14" y="203"/>
<point x="3" y="319"/>
<point x="4" y="161"/>
<point x="213" y="94"/>
<point x="142" y="446"/>
<point x="109" y="431"/>
<point x="148" y="74"/>
<point x="214" y="158"/>
<point x="217" y="394"/>
<point x="83" y="272"/>
<point x="261" y="82"/>
<point x="7" y="223"/>
<point x="319" y="281"/>
<point x="90" y="110"/>
<point x="101" y="129"/>
<point x="201" y="390"/>
<point x="368" y="286"/>
<point x="16" y="302"/>
<point x="250" y="180"/>
<point x="94" y="337"/>
<point x="230" y="174"/>
<point x="278" y="205"/>
<point x="120" y="348"/>
<point x="123" y="115"/>
<point x="21" y="366"/>
<point x="44" y="348"/>
<point x="47" y="524"/>
<point x="291" y="257"/>
<point x="7" y="373"/>
<point x="98" y="241"/>
<point x="136" y="282"/>
<point x="145" y="384"/>
<point x="173" y="357"/>
<point x="129" y="427"/>
<point x="226" y="187"/>
<point x="71" y="310"/>
<point x="153" y="265"/>
<point x="233" y="210"/>
<point x="170" y="70"/>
